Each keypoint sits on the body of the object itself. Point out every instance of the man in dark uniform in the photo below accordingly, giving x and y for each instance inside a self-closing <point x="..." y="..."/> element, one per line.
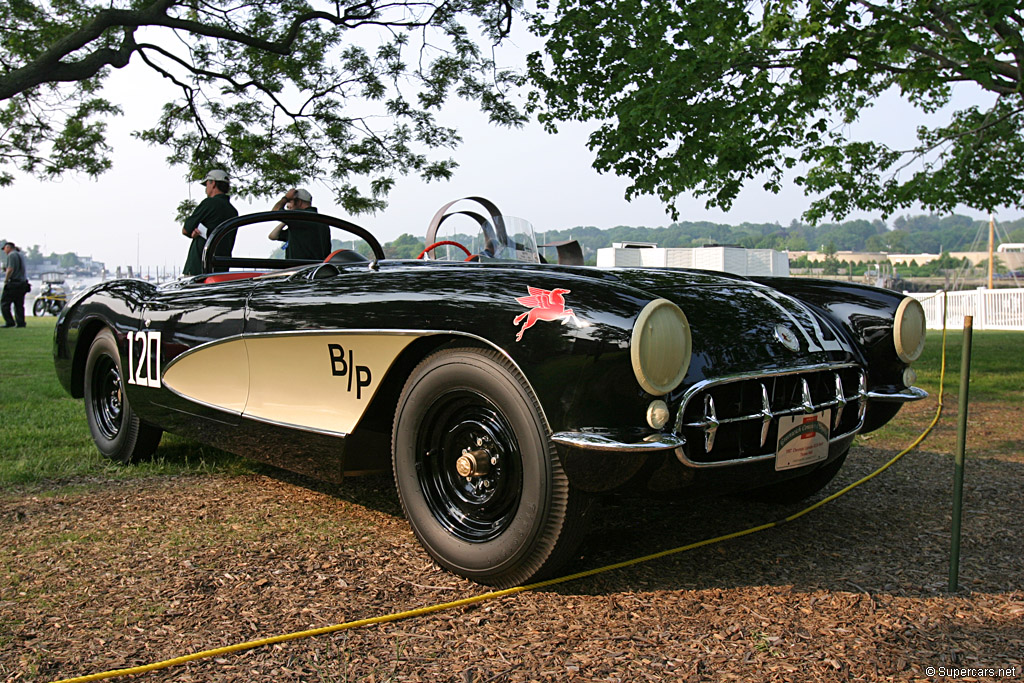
<point x="15" y="287"/>
<point x="303" y="239"/>
<point x="210" y="213"/>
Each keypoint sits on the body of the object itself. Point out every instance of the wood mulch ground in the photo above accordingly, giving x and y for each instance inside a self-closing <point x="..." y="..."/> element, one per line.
<point x="117" y="574"/>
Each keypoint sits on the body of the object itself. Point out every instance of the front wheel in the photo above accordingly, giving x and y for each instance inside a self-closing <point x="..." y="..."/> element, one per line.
<point x="39" y="307"/>
<point x="118" y="432"/>
<point x="479" y="480"/>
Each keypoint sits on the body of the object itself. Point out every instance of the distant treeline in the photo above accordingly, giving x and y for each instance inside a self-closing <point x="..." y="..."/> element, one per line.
<point x="908" y="234"/>
<point x="33" y="256"/>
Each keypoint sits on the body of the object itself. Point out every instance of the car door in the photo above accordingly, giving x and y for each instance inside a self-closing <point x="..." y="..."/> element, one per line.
<point x="317" y="355"/>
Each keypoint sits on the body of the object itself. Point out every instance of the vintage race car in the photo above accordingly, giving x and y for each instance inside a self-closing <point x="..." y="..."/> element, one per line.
<point x="506" y="394"/>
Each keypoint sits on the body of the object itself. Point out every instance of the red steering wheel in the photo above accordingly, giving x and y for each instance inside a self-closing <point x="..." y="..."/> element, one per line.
<point x="442" y="243"/>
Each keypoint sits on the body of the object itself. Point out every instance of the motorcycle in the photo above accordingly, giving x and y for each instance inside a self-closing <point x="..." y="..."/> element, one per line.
<point x="53" y="297"/>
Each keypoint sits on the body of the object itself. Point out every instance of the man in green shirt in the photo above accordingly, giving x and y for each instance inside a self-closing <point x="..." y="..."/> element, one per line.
<point x="210" y="213"/>
<point x="303" y="239"/>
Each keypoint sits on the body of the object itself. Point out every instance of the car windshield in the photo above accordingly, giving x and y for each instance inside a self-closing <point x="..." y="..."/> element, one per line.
<point x="499" y="238"/>
<point x="513" y="241"/>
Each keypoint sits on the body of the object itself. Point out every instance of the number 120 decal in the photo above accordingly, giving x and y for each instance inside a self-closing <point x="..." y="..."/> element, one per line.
<point x="144" y="358"/>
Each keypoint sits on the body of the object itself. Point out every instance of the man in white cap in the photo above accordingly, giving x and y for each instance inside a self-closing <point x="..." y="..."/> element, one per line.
<point x="303" y="239"/>
<point x="210" y="213"/>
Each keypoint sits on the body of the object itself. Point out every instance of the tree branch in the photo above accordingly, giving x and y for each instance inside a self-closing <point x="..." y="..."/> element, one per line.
<point x="237" y="85"/>
<point x="47" y="67"/>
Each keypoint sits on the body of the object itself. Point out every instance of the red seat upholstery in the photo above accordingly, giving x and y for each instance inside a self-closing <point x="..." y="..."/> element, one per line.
<point x="228" y="277"/>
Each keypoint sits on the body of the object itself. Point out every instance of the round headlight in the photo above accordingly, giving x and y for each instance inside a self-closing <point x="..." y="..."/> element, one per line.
<point x="660" y="347"/>
<point x="908" y="330"/>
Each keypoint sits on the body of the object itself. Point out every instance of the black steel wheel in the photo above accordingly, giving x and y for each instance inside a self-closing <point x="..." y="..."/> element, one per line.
<point x="477" y="475"/>
<point x="39" y="307"/>
<point x="796" y="489"/>
<point x="117" y="431"/>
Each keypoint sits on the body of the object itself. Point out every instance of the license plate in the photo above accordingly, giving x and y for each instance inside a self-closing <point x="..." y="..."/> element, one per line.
<point x="803" y="440"/>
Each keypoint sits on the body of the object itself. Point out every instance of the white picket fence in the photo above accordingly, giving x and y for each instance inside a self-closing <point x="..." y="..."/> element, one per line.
<point x="993" y="309"/>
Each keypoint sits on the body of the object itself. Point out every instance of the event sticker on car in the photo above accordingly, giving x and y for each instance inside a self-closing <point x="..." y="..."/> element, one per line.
<point x="803" y="440"/>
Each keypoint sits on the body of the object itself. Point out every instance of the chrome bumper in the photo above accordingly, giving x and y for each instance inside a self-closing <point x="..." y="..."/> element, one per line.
<point x="904" y="396"/>
<point x="665" y="442"/>
<point x="600" y="442"/>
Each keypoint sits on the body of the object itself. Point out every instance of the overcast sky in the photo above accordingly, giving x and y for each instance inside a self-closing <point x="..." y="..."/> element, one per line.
<point x="126" y="216"/>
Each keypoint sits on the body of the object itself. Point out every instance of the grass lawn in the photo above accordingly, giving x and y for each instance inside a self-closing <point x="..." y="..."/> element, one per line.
<point x="996" y="397"/>
<point x="997" y="365"/>
<point x="45" y="436"/>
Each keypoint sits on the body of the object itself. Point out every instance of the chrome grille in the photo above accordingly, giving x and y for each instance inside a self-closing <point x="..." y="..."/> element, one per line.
<point x="736" y="418"/>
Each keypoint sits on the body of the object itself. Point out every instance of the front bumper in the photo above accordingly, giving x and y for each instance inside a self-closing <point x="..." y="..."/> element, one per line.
<point x="733" y="421"/>
<point x="601" y="442"/>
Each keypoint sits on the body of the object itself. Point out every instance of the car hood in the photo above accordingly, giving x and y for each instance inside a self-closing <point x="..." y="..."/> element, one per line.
<point x="740" y="325"/>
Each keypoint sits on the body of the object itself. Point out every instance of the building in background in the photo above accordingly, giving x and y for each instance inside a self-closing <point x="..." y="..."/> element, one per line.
<point x="723" y="258"/>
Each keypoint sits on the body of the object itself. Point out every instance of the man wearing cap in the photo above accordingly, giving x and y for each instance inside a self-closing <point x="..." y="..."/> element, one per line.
<point x="303" y="239"/>
<point x="15" y="287"/>
<point x="210" y="213"/>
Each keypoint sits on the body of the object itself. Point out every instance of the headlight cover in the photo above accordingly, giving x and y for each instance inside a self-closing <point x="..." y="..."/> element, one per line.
<point x="908" y="330"/>
<point x="660" y="347"/>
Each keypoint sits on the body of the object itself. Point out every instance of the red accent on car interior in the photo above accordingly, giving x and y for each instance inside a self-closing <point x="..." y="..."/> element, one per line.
<point x="228" y="277"/>
<point x="469" y="255"/>
<point x="332" y="254"/>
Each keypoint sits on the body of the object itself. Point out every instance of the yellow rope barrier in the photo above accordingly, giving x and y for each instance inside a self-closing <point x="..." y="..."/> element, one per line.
<point x="493" y="595"/>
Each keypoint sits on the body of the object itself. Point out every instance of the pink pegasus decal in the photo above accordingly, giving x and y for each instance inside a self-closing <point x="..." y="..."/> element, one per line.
<point x="543" y="305"/>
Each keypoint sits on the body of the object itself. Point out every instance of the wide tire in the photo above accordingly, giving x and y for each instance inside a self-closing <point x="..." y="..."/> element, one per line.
<point x="514" y="518"/>
<point x="117" y="431"/>
<point x="796" y="489"/>
<point x="39" y="307"/>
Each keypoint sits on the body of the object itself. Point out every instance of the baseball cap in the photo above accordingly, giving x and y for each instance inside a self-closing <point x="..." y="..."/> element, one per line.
<point x="215" y="174"/>
<point x="303" y="195"/>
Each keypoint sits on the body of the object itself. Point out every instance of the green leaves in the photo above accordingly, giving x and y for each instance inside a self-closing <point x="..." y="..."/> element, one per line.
<point x="703" y="96"/>
<point x="278" y="92"/>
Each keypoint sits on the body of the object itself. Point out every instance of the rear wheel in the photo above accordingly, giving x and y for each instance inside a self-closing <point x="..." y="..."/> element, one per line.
<point x="118" y="432"/>
<point x="477" y="475"/>
<point x="55" y="306"/>
<point x="796" y="489"/>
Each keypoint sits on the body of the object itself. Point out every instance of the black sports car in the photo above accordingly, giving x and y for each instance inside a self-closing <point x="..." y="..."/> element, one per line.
<point x="504" y="392"/>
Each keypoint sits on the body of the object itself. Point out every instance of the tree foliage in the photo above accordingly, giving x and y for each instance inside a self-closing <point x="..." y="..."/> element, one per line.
<point x="704" y="96"/>
<point x="279" y="92"/>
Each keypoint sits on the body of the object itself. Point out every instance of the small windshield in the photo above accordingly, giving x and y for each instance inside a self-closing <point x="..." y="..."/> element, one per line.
<point x="499" y="238"/>
<point x="513" y="241"/>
